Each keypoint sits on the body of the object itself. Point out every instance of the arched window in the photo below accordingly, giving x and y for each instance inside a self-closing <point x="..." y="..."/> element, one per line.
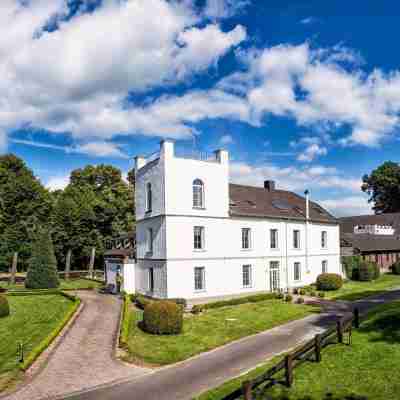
<point x="149" y="197"/>
<point x="198" y="194"/>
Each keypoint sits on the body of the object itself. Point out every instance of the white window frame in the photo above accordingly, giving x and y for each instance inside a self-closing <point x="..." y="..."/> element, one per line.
<point x="276" y="233"/>
<point x="324" y="266"/>
<point x="150" y="238"/>
<point x="151" y="279"/>
<point x="202" y="238"/>
<point x="149" y="197"/>
<point x="198" y="194"/>
<point x="297" y="276"/>
<point x="202" y="271"/>
<point x="324" y="239"/>
<point x="298" y="242"/>
<point x="247" y="269"/>
<point x="246" y="240"/>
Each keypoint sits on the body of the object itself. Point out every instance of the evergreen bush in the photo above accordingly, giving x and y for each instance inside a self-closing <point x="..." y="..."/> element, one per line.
<point x="395" y="268"/>
<point x="368" y="271"/>
<point x="42" y="271"/>
<point x="163" y="318"/>
<point x="4" y="307"/>
<point x="329" y="281"/>
<point x="351" y="265"/>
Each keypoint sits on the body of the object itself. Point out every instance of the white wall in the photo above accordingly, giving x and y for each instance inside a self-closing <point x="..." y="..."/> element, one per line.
<point x="160" y="278"/>
<point x="128" y="274"/>
<point x="159" y="238"/>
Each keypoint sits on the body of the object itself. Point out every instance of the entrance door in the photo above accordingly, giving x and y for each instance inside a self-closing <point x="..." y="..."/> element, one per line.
<point x="274" y="279"/>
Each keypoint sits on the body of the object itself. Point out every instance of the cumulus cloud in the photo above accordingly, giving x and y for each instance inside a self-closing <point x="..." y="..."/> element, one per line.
<point x="348" y="206"/>
<point x="226" y="140"/>
<point x="224" y="8"/>
<point x="57" y="182"/>
<point x="3" y="141"/>
<point x="60" y="82"/>
<point x="311" y="152"/>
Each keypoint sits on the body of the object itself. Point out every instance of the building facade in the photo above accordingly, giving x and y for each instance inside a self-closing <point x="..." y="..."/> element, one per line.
<point x="199" y="236"/>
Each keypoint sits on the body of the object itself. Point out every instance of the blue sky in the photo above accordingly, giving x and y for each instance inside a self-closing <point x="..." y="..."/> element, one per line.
<point x="302" y="92"/>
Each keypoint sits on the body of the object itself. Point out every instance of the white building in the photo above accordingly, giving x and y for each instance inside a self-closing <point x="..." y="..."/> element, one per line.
<point x="199" y="236"/>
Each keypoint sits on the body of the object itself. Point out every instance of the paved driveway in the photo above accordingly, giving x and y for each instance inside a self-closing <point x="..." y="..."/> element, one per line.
<point x="84" y="357"/>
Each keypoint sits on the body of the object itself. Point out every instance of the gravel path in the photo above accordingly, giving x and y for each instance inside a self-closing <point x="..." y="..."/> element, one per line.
<point x="84" y="357"/>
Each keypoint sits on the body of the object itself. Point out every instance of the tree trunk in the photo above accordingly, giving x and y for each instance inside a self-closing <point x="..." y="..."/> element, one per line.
<point x="91" y="265"/>
<point x="68" y="264"/>
<point x="14" y="268"/>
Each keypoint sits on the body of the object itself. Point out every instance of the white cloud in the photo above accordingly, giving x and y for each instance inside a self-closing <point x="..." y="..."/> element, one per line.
<point x="3" y="141"/>
<point x="75" y="79"/>
<point x="311" y="152"/>
<point x="293" y="178"/>
<point x="348" y="206"/>
<point x="95" y="149"/>
<point x="58" y="182"/>
<point x="226" y="140"/>
<point x="308" y="20"/>
<point x="224" y="8"/>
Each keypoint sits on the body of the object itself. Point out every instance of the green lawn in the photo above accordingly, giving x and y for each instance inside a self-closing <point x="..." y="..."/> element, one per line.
<point x="369" y="367"/>
<point x="31" y="320"/>
<point x="72" y="284"/>
<point x="353" y="290"/>
<point x="209" y="330"/>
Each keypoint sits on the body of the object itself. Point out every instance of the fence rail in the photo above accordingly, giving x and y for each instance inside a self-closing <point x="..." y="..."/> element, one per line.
<point x="309" y="351"/>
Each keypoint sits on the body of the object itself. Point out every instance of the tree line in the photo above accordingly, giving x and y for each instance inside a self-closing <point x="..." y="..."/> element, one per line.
<point x="97" y="205"/>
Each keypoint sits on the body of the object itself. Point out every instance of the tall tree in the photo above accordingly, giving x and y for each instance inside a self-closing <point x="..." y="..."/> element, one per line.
<point x="24" y="204"/>
<point x="383" y="187"/>
<point x="97" y="205"/>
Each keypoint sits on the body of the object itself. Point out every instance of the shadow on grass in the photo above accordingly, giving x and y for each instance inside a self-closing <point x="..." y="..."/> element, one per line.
<point x="327" y="396"/>
<point x="386" y="328"/>
<point x="359" y="295"/>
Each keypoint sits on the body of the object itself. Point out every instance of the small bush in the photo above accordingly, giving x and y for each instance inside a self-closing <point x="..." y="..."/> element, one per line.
<point x="321" y="294"/>
<point x="351" y="265"/>
<point x="142" y="301"/>
<point x="289" y="298"/>
<point x="197" y="309"/>
<point x="368" y="271"/>
<point x="295" y="291"/>
<point x="240" y="300"/>
<point x="302" y="292"/>
<point x="4" y="307"/>
<point x="163" y="318"/>
<point x="313" y="293"/>
<point x="280" y="296"/>
<point x="329" y="282"/>
<point x="395" y="268"/>
<point x="300" y="300"/>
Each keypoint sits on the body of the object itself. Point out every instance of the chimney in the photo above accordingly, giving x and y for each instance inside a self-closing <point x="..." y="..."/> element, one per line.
<point x="307" y="194"/>
<point x="269" y="185"/>
<point x="140" y="162"/>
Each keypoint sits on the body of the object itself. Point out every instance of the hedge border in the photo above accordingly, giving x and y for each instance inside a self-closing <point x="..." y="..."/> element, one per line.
<point x="255" y="298"/>
<point x="47" y="341"/>
<point x="125" y="323"/>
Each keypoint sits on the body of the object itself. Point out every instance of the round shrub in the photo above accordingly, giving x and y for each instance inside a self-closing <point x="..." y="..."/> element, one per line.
<point x="302" y="292"/>
<point x="321" y="295"/>
<point x="313" y="293"/>
<point x="368" y="271"/>
<point x="4" y="307"/>
<point x="280" y="296"/>
<point x="197" y="309"/>
<point x="329" y="282"/>
<point x="300" y="300"/>
<point x="163" y="318"/>
<point x="395" y="268"/>
<point x="289" y="298"/>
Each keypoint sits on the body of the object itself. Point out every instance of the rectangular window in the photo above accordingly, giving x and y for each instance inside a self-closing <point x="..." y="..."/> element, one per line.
<point x="246" y="239"/>
<point x="274" y="238"/>
<point x="198" y="237"/>
<point x="149" y="197"/>
<point x="324" y="236"/>
<point x="151" y="279"/>
<point x="199" y="278"/>
<point x="297" y="271"/>
<point x="150" y="240"/>
<point x="296" y="239"/>
<point x="324" y="267"/>
<point x="246" y="275"/>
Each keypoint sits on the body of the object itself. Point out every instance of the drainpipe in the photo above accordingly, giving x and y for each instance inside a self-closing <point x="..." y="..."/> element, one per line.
<point x="287" y="259"/>
<point x="307" y="194"/>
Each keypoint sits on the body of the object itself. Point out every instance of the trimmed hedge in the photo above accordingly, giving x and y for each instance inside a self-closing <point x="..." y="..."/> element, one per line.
<point x="368" y="271"/>
<point x="395" y="268"/>
<point x="329" y="281"/>
<point x="163" y="318"/>
<point x="240" y="300"/>
<point x="125" y="323"/>
<point x="142" y="301"/>
<point x="38" y="350"/>
<point x="351" y="265"/>
<point x="4" y="307"/>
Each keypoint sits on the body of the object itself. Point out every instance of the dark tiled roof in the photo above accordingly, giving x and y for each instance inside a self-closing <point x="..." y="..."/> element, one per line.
<point x="347" y="224"/>
<point x="249" y="201"/>
<point x="119" y="253"/>
<point x="372" y="243"/>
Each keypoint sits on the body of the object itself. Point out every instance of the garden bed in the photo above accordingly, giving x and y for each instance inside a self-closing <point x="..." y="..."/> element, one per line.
<point x="206" y="331"/>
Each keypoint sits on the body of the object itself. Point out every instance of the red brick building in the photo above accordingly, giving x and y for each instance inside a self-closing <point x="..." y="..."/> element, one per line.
<point x="374" y="237"/>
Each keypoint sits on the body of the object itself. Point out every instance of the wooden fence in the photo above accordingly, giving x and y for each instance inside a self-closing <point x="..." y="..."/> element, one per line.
<point x="310" y="351"/>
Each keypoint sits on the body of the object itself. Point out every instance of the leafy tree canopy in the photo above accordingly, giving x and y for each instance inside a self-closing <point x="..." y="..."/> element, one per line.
<point x="383" y="187"/>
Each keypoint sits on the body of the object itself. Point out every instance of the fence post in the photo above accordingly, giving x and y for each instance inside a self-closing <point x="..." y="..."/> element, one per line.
<point x="14" y="268"/>
<point x="339" y="329"/>
<point x="317" y="344"/>
<point x="289" y="370"/>
<point x="356" y="313"/>
<point x="246" y="389"/>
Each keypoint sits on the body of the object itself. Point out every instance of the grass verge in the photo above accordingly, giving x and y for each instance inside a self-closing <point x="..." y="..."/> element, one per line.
<point x="368" y="369"/>
<point x="71" y="284"/>
<point x="209" y="330"/>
